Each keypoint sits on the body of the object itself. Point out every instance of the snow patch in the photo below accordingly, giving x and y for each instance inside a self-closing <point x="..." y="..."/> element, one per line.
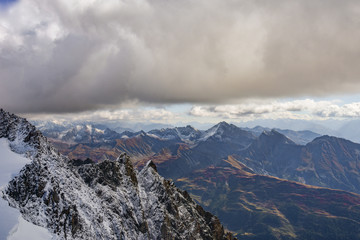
<point x="154" y="136"/>
<point x="12" y="224"/>
<point x="209" y="133"/>
<point x="26" y="230"/>
<point x="10" y="162"/>
<point x="99" y="131"/>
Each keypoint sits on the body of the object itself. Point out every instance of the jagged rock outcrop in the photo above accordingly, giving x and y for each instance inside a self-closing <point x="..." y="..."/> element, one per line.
<point x="108" y="200"/>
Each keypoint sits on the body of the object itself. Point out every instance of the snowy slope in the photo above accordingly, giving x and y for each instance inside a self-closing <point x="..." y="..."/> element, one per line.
<point x="12" y="224"/>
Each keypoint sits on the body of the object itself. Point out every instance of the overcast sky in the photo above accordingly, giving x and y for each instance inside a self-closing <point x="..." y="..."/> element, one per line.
<point x="179" y="60"/>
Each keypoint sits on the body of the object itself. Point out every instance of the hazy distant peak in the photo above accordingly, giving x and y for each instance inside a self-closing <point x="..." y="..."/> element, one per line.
<point x="275" y="137"/>
<point x="330" y="139"/>
<point x="222" y="126"/>
<point x="141" y="134"/>
<point x="188" y="128"/>
<point x="225" y="125"/>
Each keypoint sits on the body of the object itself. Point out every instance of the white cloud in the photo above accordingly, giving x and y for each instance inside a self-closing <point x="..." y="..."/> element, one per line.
<point x="351" y="110"/>
<point x="129" y="115"/>
<point x="140" y="115"/>
<point x="298" y="109"/>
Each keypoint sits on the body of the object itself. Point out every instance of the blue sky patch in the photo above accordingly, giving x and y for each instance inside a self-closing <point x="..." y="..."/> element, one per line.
<point x="5" y="3"/>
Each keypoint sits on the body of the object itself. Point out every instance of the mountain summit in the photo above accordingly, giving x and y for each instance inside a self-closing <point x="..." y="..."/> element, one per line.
<point x="230" y="133"/>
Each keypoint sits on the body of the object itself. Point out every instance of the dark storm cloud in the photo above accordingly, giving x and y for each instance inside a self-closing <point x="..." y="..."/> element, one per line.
<point x="66" y="57"/>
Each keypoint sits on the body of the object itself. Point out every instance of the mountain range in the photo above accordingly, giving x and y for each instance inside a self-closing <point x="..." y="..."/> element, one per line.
<point x="255" y="179"/>
<point x="185" y="147"/>
<point x="299" y="137"/>
<point x="86" y="200"/>
<point x="323" y="161"/>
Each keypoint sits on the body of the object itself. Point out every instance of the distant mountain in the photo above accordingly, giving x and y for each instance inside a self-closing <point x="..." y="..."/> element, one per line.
<point x="229" y="133"/>
<point x="176" y="151"/>
<point x="140" y="146"/>
<point x="257" y="131"/>
<point x="184" y="134"/>
<point x="120" y="126"/>
<point x="52" y="126"/>
<point x="326" y="161"/>
<point x="85" y="140"/>
<point x="179" y="151"/>
<point x="350" y="131"/>
<point x="299" y="137"/>
<point x="321" y="127"/>
<point x="271" y="153"/>
<point x="108" y="200"/>
<point x="207" y="149"/>
<point x="81" y="133"/>
<point x="261" y="207"/>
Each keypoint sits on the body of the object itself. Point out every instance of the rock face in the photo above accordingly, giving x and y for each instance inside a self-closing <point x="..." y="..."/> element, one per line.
<point x="108" y="200"/>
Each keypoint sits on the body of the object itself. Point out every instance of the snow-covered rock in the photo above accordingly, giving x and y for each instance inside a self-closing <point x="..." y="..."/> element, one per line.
<point x="108" y="200"/>
<point x="185" y="134"/>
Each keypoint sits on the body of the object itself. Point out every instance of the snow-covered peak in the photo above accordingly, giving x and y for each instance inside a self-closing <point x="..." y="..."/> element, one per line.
<point x="23" y="137"/>
<point x="188" y="133"/>
<point x="185" y="134"/>
<point x="166" y="133"/>
<point x="141" y="134"/>
<point x="81" y="132"/>
<point x="219" y="130"/>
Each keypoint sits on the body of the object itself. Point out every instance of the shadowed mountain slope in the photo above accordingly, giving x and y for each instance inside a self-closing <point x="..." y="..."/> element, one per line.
<point x="262" y="207"/>
<point x="327" y="161"/>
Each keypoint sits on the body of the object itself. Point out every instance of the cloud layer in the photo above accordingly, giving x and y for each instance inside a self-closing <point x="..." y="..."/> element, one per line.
<point x="306" y="109"/>
<point x="144" y="115"/>
<point x="62" y="56"/>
